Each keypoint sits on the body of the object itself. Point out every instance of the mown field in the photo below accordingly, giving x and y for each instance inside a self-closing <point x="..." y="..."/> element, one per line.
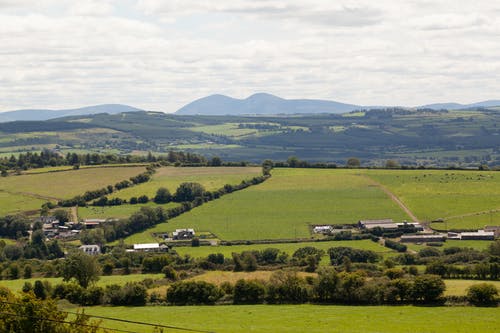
<point x="286" y="205"/>
<point x="212" y="178"/>
<point x="459" y="287"/>
<point x="446" y="194"/>
<point x="306" y="318"/>
<point x="66" y="184"/>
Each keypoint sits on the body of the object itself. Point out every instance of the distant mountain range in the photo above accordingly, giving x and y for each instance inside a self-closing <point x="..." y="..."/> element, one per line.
<point x="34" y="114"/>
<point x="262" y="104"/>
<point x="266" y="104"/>
<point x="257" y="104"/>
<point x="456" y="106"/>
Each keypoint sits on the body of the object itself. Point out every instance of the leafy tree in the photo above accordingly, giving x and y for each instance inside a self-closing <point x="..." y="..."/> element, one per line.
<point x="162" y="196"/>
<point x="248" y="292"/>
<point x="353" y="163"/>
<point x="83" y="268"/>
<point x="287" y="287"/>
<point x="195" y="242"/>
<point x="326" y="285"/>
<point x="216" y="161"/>
<point x="494" y="248"/>
<point x="249" y="262"/>
<point x="193" y="292"/>
<point x="391" y="164"/>
<point x="216" y="258"/>
<point x="39" y="290"/>
<point x="170" y="273"/>
<point x="188" y="192"/>
<point x="482" y="294"/>
<point x="62" y="215"/>
<point x="39" y="316"/>
<point x="428" y="288"/>
<point x="27" y="272"/>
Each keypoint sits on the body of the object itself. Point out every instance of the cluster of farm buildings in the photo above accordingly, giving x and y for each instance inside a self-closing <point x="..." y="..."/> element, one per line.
<point x="418" y="234"/>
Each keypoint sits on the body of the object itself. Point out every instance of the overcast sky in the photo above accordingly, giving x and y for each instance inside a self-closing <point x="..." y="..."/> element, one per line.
<point x="160" y="55"/>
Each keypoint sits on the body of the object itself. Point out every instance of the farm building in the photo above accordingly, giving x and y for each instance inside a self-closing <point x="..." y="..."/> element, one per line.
<point x="385" y="224"/>
<point x="323" y="229"/>
<point x="149" y="247"/>
<point x="90" y="249"/>
<point x="183" y="234"/>
<point x="478" y="235"/>
<point x="423" y="238"/>
<point x="493" y="228"/>
<point x="93" y="223"/>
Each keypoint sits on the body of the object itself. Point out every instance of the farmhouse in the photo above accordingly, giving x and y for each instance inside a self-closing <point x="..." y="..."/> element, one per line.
<point x="183" y="234"/>
<point x="90" y="249"/>
<point x="422" y="238"/>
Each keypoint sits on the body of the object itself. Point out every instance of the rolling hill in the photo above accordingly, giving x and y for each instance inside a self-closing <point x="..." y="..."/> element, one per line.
<point x="35" y="114"/>
<point x="262" y="104"/>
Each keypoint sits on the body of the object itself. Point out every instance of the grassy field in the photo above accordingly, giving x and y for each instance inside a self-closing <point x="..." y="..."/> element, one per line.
<point x="17" y="285"/>
<point x="122" y="211"/>
<point x="70" y="167"/>
<point x="287" y="204"/>
<point x="475" y="244"/>
<point x="447" y="194"/>
<point x="16" y="203"/>
<point x="459" y="287"/>
<point x="211" y="178"/>
<point x="66" y="184"/>
<point x="307" y="318"/>
<point x="290" y="248"/>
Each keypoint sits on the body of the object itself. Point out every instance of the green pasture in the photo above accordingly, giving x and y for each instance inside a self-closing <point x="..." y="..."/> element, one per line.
<point x="212" y="178"/>
<point x="17" y="203"/>
<point x="287" y="204"/>
<point x="118" y="212"/>
<point x="446" y="194"/>
<point x="17" y="285"/>
<point x="290" y="248"/>
<point x="475" y="244"/>
<point x="306" y="318"/>
<point x="66" y="184"/>
<point x="474" y="221"/>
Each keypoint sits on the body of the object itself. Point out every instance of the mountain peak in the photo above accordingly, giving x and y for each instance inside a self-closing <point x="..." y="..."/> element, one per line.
<point x="261" y="103"/>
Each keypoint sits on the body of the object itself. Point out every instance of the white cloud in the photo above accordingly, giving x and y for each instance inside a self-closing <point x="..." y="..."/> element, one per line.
<point x="66" y="53"/>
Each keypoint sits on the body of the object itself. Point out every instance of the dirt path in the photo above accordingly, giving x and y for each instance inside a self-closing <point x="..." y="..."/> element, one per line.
<point x="33" y="195"/>
<point x="495" y="210"/>
<point x="393" y="198"/>
<point x="74" y="214"/>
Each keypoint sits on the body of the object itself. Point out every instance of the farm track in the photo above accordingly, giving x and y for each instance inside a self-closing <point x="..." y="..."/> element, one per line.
<point x="74" y="213"/>
<point x="33" y="195"/>
<point x="393" y="198"/>
<point x="495" y="210"/>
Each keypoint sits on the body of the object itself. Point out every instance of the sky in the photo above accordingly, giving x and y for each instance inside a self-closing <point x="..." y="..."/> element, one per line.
<point x="160" y="55"/>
